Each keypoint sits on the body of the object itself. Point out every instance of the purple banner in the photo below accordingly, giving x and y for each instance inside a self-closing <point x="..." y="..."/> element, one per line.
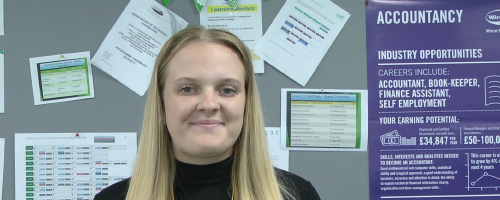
<point x="434" y="99"/>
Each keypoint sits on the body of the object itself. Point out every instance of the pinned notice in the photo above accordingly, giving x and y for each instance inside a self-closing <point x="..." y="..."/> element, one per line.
<point x="300" y="36"/>
<point x="129" y="51"/>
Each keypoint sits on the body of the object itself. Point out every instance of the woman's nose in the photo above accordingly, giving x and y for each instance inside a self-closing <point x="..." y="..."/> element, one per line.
<point x="208" y="102"/>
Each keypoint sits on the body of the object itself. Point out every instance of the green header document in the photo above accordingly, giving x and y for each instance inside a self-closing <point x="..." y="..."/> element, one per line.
<point x="60" y="78"/>
<point x="1" y="17"/>
<point x="2" y="93"/>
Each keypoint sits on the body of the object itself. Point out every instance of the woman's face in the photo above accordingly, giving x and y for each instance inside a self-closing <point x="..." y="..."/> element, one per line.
<point x="204" y="101"/>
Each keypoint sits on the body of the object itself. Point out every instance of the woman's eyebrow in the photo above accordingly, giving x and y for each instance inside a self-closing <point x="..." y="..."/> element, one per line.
<point x="187" y="79"/>
<point x="224" y="80"/>
<point x="231" y="80"/>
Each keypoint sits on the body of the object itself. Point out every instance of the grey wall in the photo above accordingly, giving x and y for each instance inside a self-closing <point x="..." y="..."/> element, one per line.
<point x="49" y="27"/>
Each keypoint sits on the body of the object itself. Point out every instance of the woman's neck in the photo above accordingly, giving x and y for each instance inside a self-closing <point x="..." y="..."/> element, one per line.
<point x="191" y="174"/>
<point x="203" y="159"/>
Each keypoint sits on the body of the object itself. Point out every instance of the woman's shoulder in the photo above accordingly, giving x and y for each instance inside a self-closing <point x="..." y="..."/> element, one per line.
<point x="117" y="191"/>
<point x="305" y="189"/>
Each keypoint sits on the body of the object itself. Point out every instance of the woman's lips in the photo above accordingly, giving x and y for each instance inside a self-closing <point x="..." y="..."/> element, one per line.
<point x="207" y="123"/>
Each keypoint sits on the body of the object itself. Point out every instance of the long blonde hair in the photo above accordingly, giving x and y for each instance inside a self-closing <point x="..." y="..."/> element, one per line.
<point x="154" y="172"/>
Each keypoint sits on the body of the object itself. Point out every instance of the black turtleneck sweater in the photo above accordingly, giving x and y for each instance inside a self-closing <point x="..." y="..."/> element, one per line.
<point x="201" y="182"/>
<point x="211" y="181"/>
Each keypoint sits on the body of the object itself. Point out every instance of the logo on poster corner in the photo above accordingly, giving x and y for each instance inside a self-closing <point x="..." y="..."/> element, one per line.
<point x="394" y="139"/>
<point x="492" y="90"/>
<point x="341" y="17"/>
<point x="493" y="17"/>
<point x="157" y="10"/>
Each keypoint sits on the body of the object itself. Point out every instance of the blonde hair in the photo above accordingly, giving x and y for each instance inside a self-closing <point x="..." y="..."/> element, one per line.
<point x="154" y="172"/>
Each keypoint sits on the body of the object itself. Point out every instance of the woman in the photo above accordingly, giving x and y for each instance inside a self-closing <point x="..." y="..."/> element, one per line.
<point x="203" y="131"/>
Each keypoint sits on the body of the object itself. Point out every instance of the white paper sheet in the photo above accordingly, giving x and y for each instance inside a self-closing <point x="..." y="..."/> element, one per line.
<point x="61" y="78"/>
<point x="2" y="164"/>
<point x="245" y="22"/>
<point x="1" y="18"/>
<point x="324" y="119"/>
<point x="300" y="36"/>
<point x="2" y="87"/>
<point x="129" y="51"/>
<point x="279" y="157"/>
<point x="66" y="166"/>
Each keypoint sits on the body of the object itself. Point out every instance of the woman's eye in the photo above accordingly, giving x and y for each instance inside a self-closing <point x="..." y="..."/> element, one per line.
<point x="186" y="89"/>
<point x="228" y="91"/>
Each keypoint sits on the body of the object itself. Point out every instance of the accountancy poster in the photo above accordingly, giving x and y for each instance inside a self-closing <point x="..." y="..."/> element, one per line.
<point x="434" y="99"/>
<point x="71" y="165"/>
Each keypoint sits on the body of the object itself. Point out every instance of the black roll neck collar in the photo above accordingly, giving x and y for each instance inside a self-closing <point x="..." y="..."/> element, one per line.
<point x="196" y="175"/>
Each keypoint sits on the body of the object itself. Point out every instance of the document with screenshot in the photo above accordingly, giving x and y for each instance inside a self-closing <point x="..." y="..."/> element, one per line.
<point x="324" y="119"/>
<point x="60" y="78"/>
<point x="71" y="165"/>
